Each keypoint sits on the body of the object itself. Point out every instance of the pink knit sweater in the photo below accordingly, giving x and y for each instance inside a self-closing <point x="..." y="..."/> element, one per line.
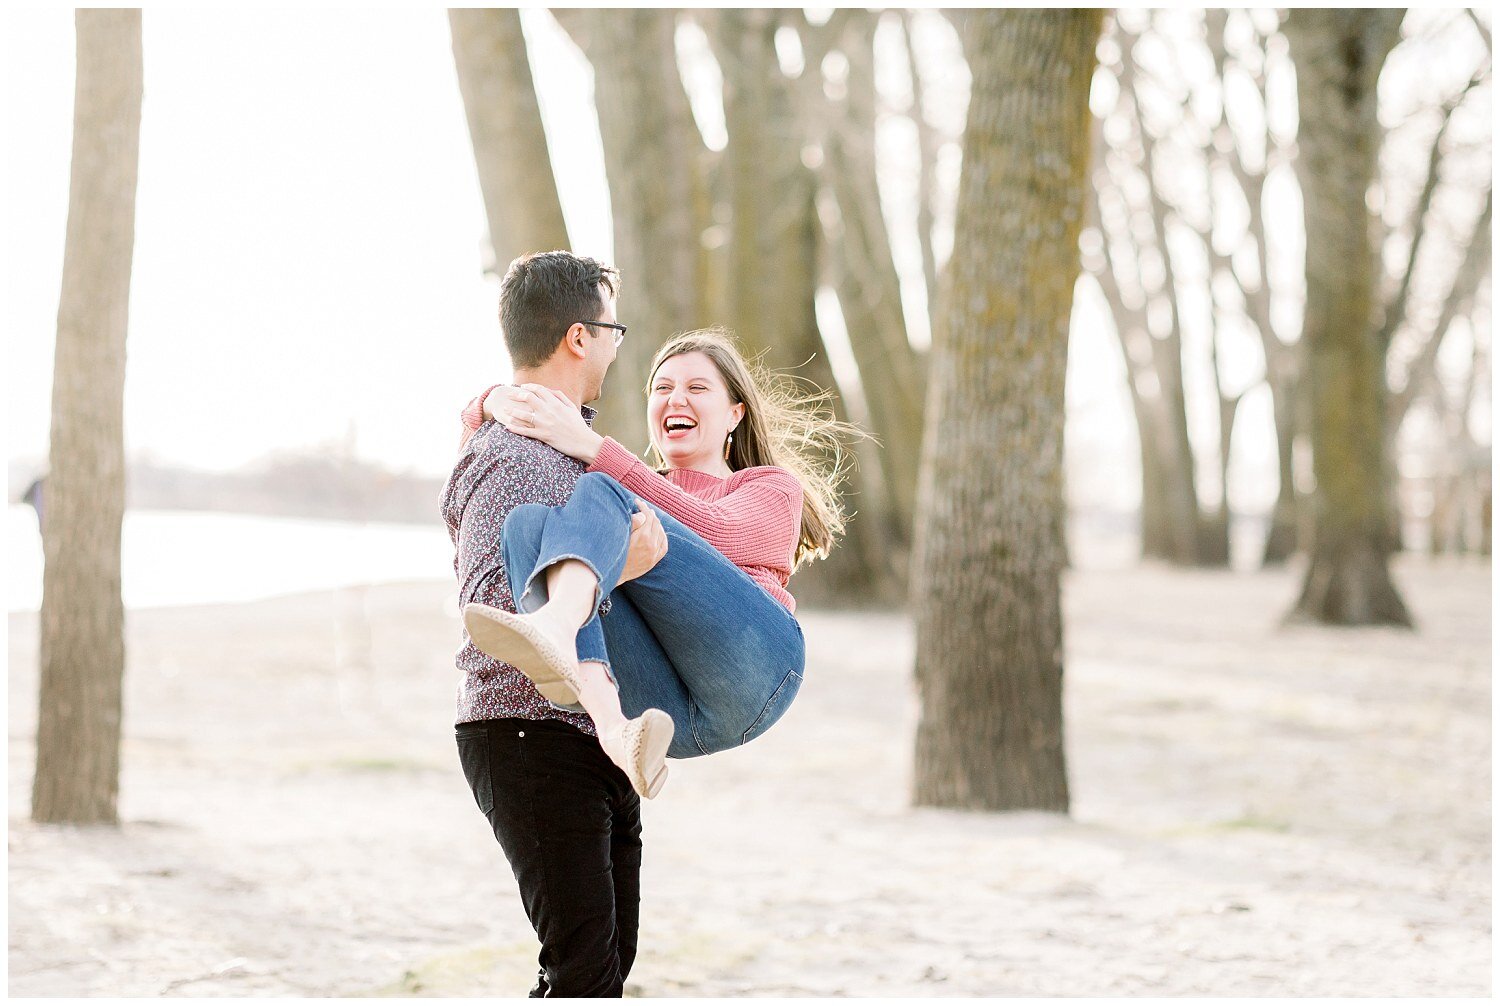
<point x="754" y="517"/>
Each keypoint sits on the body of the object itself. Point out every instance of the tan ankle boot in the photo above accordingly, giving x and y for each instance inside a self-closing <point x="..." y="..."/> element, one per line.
<point x="639" y="748"/>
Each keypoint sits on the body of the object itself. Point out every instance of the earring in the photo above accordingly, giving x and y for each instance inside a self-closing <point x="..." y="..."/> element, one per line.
<point x="728" y="442"/>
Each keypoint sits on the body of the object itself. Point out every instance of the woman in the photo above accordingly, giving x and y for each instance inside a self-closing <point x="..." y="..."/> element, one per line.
<point x="705" y="641"/>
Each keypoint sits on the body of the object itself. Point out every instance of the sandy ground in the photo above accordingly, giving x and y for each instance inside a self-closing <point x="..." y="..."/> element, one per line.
<point x="1257" y="811"/>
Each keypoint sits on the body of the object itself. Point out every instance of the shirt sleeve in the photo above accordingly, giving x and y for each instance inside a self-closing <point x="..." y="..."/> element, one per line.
<point x="755" y="523"/>
<point x="473" y="414"/>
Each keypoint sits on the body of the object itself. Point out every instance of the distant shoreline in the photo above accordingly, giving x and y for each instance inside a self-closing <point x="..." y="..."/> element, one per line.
<point x="176" y="558"/>
<point x="310" y="486"/>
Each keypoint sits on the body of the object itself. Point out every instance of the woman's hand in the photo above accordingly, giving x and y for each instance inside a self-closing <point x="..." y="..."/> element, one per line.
<point x="547" y="415"/>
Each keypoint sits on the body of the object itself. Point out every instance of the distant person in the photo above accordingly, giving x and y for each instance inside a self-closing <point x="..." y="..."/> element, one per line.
<point x="705" y="650"/>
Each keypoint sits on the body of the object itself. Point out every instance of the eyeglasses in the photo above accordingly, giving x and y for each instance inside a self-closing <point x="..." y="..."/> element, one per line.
<point x="619" y="329"/>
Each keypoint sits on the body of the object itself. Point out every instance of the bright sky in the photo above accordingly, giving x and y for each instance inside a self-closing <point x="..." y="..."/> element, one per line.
<point x="309" y="238"/>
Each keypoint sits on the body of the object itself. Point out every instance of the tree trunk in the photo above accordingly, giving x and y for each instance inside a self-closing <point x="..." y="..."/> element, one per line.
<point x="1281" y="537"/>
<point x="1214" y="528"/>
<point x="1175" y="449"/>
<point x="1178" y="467"/>
<point x="771" y="264"/>
<point x="863" y="570"/>
<point x="990" y="532"/>
<point x="656" y="164"/>
<point x="1339" y="54"/>
<point x="83" y="616"/>
<point x="1174" y="468"/>
<point x="1138" y="354"/>
<point x="1214" y="544"/>
<point x="927" y="157"/>
<point x="1176" y="524"/>
<point x="891" y="373"/>
<point x="505" y="126"/>
<point x="1486" y="517"/>
<point x="1156" y="519"/>
<point x="772" y="268"/>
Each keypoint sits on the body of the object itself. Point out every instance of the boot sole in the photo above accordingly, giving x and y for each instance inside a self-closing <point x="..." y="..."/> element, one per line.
<point x="656" y="736"/>
<point x="510" y="638"/>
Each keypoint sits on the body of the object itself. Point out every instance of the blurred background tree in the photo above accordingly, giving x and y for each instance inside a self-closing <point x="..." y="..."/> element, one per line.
<point x="1339" y="55"/>
<point x="658" y="172"/>
<point x="77" y="777"/>
<point x="1167" y="162"/>
<point x="1434" y="230"/>
<point x="1196" y="147"/>
<point x="521" y="204"/>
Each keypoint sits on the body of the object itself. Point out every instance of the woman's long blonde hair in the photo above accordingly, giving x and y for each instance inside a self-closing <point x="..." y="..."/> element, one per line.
<point x="784" y="425"/>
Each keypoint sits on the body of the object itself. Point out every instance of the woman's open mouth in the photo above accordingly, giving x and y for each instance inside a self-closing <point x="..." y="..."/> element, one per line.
<point x="678" y="427"/>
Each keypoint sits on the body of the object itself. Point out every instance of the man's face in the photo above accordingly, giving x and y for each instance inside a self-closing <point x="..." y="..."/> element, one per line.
<point x="602" y="349"/>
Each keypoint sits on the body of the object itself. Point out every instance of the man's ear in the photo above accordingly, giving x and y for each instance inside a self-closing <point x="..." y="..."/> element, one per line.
<point x="575" y="341"/>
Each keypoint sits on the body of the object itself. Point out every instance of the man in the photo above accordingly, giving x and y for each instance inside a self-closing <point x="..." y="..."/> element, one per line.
<point x="568" y="819"/>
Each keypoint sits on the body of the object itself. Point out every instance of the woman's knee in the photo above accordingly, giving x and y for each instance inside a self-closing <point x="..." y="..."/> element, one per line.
<point x="600" y="485"/>
<point x="521" y="540"/>
<point x="525" y="523"/>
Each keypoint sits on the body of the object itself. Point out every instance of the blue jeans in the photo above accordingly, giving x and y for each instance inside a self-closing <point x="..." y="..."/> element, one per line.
<point x="693" y="636"/>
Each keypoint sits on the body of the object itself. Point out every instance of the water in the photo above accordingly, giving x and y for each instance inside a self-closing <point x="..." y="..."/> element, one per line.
<point x="171" y="558"/>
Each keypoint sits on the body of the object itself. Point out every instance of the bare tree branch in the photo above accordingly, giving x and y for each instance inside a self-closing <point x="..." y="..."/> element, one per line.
<point x="1279" y="358"/>
<point x="1160" y="211"/>
<point x="1395" y="311"/>
<point x="926" y="166"/>
<point x="1466" y="280"/>
<point x="1130" y="322"/>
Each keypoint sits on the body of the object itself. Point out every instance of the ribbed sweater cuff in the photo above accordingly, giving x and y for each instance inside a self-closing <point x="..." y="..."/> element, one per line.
<point x="614" y="460"/>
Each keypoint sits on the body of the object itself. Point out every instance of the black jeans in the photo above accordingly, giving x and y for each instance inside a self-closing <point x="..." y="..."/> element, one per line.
<point x="570" y="824"/>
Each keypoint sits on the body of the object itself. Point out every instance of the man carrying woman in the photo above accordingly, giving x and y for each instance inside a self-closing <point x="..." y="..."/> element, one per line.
<point x="625" y="653"/>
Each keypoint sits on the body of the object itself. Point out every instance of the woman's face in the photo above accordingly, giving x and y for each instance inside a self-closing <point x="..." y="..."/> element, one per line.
<point x="690" y="412"/>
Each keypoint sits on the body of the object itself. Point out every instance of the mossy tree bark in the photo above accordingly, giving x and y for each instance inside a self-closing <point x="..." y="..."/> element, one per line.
<point x="990" y="530"/>
<point x="1339" y="53"/>
<point x="83" y="616"/>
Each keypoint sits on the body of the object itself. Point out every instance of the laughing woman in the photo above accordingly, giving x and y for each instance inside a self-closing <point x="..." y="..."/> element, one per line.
<point x="705" y="642"/>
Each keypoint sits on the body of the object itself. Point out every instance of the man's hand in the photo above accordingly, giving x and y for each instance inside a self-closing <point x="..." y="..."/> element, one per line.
<point x="648" y="543"/>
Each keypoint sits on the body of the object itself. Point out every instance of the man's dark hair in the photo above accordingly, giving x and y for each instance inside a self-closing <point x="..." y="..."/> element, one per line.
<point x="543" y="294"/>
